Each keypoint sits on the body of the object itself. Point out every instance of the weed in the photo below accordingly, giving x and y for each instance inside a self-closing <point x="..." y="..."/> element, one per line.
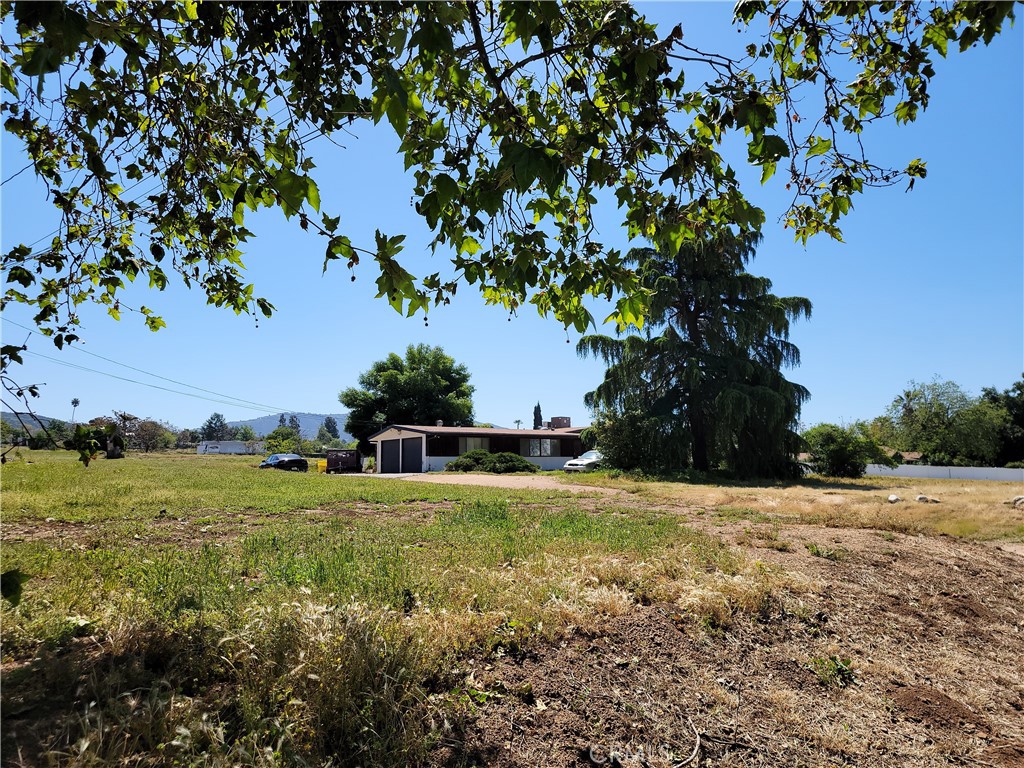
<point x="835" y="554"/>
<point x="833" y="671"/>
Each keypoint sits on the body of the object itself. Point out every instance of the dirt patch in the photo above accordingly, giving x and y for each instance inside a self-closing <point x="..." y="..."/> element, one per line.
<point x="930" y="705"/>
<point x="930" y="630"/>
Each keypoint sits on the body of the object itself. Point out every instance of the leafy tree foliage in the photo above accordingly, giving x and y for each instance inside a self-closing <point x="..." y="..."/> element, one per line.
<point x="331" y="426"/>
<point x="283" y="440"/>
<point x="294" y="424"/>
<point x="945" y="424"/>
<point x="150" y="435"/>
<point x="538" y="418"/>
<point x="51" y="436"/>
<point x="100" y="434"/>
<point x="187" y="438"/>
<point x="843" y="451"/>
<point x="514" y="119"/>
<point x="1011" y="434"/>
<point x="216" y="428"/>
<point x="423" y="387"/>
<point x="245" y="432"/>
<point x="704" y="379"/>
<point x="635" y="437"/>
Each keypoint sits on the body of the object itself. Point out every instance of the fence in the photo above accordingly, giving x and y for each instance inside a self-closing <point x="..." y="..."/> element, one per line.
<point x="950" y="473"/>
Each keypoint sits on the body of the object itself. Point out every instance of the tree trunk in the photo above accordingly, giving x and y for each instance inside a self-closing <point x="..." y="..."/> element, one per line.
<point x="699" y="434"/>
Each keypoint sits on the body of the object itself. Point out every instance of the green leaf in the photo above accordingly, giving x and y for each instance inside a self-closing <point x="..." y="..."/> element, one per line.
<point x="7" y="80"/>
<point x="293" y="190"/>
<point x="768" y="149"/>
<point x="447" y="188"/>
<point x="313" y="194"/>
<point x="818" y="146"/>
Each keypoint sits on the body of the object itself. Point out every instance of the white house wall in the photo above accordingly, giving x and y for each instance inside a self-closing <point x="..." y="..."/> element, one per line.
<point x="546" y="463"/>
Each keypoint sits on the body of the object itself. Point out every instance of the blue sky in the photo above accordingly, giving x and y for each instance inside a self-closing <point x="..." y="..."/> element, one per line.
<point x="927" y="283"/>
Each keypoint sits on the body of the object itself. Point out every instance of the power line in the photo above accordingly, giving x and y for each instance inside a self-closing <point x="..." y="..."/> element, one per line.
<point x="155" y="386"/>
<point x="246" y="403"/>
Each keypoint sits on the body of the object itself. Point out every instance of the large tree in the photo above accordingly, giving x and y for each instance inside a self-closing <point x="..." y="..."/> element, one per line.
<point x="705" y="377"/>
<point x="423" y="387"/>
<point x="947" y="425"/>
<point x="216" y="428"/>
<point x="331" y="426"/>
<point x="514" y="118"/>
<point x="1011" y="436"/>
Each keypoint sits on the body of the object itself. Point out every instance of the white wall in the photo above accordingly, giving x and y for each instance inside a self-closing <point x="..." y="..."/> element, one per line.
<point x="437" y="463"/>
<point x="214" y="447"/>
<point x="952" y="473"/>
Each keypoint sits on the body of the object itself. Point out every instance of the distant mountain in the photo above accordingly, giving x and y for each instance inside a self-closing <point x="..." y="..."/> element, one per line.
<point x="310" y="424"/>
<point x="30" y="421"/>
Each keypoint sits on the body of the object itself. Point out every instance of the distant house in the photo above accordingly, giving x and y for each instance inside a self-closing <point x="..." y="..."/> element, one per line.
<point x="414" y="448"/>
<point x="904" y="457"/>
<point x="230" y="446"/>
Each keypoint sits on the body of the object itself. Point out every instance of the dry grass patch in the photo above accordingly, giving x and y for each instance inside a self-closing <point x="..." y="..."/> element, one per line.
<point x="973" y="509"/>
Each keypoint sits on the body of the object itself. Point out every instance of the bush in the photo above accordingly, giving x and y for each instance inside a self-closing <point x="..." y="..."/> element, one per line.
<point x="842" y="451"/>
<point x="471" y="461"/>
<point x="485" y="461"/>
<point x="505" y="463"/>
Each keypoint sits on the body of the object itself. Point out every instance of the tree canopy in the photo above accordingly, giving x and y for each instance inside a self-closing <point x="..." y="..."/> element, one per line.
<point x="424" y="387"/>
<point x="843" y="451"/>
<point x="702" y="386"/>
<point x="514" y="118"/>
<point x="947" y="426"/>
<point x="216" y="428"/>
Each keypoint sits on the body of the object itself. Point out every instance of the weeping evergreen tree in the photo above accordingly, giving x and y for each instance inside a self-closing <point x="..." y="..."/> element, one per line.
<point x="705" y="376"/>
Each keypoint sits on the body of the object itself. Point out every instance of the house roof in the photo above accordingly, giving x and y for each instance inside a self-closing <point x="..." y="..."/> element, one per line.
<point x="479" y="431"/>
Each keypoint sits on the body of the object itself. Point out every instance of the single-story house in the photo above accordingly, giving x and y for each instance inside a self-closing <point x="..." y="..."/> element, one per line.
<point x="230" y="446"/>
<point x="414" y="448"/>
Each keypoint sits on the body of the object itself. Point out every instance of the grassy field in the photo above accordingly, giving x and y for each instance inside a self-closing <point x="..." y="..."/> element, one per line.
<point x="194" y="610"/>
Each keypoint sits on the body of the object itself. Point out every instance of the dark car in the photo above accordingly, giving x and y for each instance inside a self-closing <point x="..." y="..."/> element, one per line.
<point x="291" y="461"/>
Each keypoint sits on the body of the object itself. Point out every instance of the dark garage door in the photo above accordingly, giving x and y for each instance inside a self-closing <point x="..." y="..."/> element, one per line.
<point x="389" y="456"/>
<point x="412" y="454"/>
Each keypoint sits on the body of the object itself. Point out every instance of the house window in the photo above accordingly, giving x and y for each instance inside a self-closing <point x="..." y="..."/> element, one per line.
<point x="538" y="447"/>
<point x="467" y="444"/>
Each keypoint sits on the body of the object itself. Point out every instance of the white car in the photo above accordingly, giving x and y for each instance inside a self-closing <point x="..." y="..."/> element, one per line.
<point x="585" y="463"/>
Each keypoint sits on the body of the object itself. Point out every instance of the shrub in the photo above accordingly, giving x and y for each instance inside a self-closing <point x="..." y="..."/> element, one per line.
<point x="843" y="451"/>
<point x="485" y="461"/>
<point x="471" y="461"/>
<point x="505" y="463"/>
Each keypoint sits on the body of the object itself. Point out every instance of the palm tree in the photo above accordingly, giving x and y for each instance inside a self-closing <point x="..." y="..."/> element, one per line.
<point x="75" y="402"/>
<point x="518" y="423"/>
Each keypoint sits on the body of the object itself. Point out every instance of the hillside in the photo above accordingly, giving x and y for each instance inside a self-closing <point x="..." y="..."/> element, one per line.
<point x="309" y="422"/>
<point x="33" y="422"/>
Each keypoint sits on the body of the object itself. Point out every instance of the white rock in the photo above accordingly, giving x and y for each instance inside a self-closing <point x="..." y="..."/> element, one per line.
<point x="893" y="498"/>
